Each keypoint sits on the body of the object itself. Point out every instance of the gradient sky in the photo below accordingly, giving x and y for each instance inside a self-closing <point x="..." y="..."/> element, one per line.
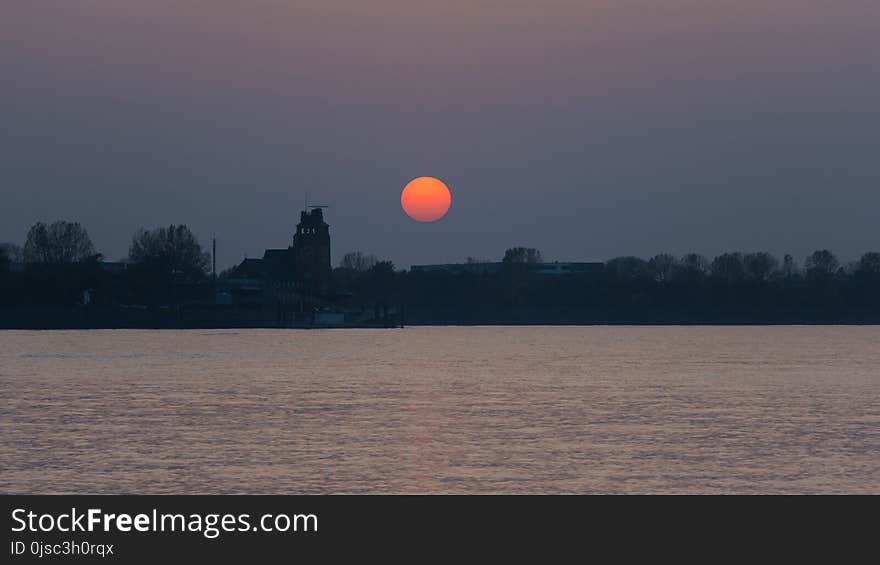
<point x="588" y="129"/>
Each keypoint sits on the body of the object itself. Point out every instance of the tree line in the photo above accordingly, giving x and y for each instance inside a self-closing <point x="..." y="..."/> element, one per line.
<point x="168" y="265"/>
<point x="730" y="288"/>
<point x="60" y="261"/>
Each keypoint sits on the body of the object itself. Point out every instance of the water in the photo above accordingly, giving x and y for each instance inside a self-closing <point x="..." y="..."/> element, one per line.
<point x="442" y="410"/>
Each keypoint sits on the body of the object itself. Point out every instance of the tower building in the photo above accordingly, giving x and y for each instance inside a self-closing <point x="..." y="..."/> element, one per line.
<point x="311" y="252"/>
<point x="294" y="280"/>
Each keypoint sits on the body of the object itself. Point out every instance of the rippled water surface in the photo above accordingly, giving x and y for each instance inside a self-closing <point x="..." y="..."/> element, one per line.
<point x="442" y="410"/>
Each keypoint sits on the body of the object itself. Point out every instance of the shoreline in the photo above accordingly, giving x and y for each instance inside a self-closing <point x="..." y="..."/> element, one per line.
<point x="194" y="327"/>
<point x="80" y="318"/>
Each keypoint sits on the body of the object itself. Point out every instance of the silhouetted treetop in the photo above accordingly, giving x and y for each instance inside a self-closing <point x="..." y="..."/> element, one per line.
<point x="169" y="251"/>
<point x="760" y="266"/>
<point x="381" y="277"/>
<point x="228" y="272"/>
<point x="357" y="261"/>
<point x="12" y="252"/>
<point x="693" y="267"/>
<point x="789" y="267"/>
<point x="822" y="265"/>
<point x="729" y="267"/>
<point x="58" y="243"/>
<point x="869" y="264"/>
<point x="628" y="268"/>
<point x="663" y="267"/>
<point x="9" y="253"/>
<point x="522" y="255"/>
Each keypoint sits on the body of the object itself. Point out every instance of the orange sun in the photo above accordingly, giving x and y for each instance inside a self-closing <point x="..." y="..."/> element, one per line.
<point x="425" y="199"/>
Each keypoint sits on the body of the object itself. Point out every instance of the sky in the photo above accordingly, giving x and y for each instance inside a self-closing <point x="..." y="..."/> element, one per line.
<point x="588" y="129"/>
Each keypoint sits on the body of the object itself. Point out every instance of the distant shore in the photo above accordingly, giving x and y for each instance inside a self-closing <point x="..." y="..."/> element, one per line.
<point x="47" y="318"/>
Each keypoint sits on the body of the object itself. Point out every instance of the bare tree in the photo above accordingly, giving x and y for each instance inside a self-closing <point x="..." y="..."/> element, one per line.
<point x="728" y="267"/>
<point x="167" y="252"/>
<point x="822" y="265"/>
<point x="760" y="266"/>
<point x="693" y="267"/>
<point x="522" y="255"/>
<point x="12" y="252"/>
<point x="58" y="243"/>
<point x="628" y="269"/>
<point x="357" y="261"/>
<point x="662" y="266"/>
<point x="380" y="282"/>
<point x="789" y="266"/>
<point x="869" y="264"/>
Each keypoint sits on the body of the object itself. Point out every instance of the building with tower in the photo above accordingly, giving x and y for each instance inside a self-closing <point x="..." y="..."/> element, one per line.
<point x="311" y="252"/>
<point x="292" y="282"/>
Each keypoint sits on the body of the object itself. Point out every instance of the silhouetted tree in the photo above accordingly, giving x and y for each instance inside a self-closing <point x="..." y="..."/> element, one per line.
<point x="728" y="267"/>
<point x="866" y="281"/>
<point x="228" y="272"/>
<point x="169" y="252"/>
<point x="760" y="266"/>
<point x="58" y="243"/>
<point x="357" y="261"/>
<point x="627" y="269"/>
<point x="821" y="269"/>
<point x="663" y="267"/>
<point x="689" y="280"/>
<point x="789" y="267"/>
<point x="12" y="252"/>
<point x="693" y="268"/>
<point x="628" y="280"/>
<point x="515" y="267"/>
<point x="61" y="264"/>
<point x="868" y="265"/>
<point x="821" y="265"/>
<point x="382" y="272"/>
<point x="381" y="285"/>
<point x="522" y="255"/>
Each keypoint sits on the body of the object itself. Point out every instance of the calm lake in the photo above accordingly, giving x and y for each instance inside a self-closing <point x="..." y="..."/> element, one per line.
<point x="442" y="410"/>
